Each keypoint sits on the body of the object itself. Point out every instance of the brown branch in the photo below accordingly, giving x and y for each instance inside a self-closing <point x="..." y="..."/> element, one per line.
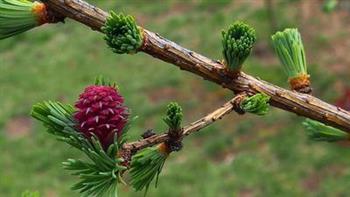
<point x="161" y="48"/>
<point x="189" y="129"/>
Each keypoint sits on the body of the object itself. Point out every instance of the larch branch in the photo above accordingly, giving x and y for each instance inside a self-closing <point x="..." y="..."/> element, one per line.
<point x="189" y="129"/>
<point x="168" y="51"/>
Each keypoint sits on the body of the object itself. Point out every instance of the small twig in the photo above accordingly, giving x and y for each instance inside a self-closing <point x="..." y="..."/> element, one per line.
<point x="213" y="116"/>
<point x="187" y="130"/>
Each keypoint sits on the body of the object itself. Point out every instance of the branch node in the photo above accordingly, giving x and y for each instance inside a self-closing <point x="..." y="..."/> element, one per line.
<point x="148" y="133"/>
<point x="50" y="16"/>
<point x="166" y="47"/>
<point x="237" y="103"/>
<point x="68" y="2"/>
<point x="326" y="115"/>
<point x="126" y="155"/>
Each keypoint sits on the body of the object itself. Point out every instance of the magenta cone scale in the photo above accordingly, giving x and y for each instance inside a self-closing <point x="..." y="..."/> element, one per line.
<point x="101" y="112"/>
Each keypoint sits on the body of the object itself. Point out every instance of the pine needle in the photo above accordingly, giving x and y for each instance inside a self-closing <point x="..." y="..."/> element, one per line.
<point x="290" y="50"/>
<point x="145" y="167"/>
<point x="320" y="132"/>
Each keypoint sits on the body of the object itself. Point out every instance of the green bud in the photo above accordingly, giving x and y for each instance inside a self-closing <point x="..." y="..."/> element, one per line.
<point x="290" y="50"/>
<point x="174" y="116"/>
<point x="257" y="104"/>
<point x="122" y="34"/>
<point x="237" y="44"/>
<point x="17" y="16"/>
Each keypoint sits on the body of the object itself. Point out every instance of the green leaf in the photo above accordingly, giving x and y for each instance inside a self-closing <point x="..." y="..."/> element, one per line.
<point x="290" y="50"/>
<point x="320" y="132"/>
<point x="122" y="34"/>
<point x="237" y="44"/>
<point x="257" y="104"/>
<point x="93" y="181"/>
<point x="56" y="117"/>
<point x="99" y="176"/>
<point x="146" y="166"/>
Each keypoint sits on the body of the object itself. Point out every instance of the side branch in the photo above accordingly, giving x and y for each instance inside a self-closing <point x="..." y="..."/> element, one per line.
<point x="189" y="129"/>
<point x="161" y="48"/>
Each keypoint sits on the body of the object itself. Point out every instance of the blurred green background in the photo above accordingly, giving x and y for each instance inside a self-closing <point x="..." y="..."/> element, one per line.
<point x="239" y="156"/>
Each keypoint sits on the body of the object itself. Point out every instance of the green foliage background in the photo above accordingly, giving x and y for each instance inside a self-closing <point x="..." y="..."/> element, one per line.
<point x="239" y="156"/>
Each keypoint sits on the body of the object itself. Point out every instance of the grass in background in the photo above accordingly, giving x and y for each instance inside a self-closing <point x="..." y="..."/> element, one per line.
<point x="256" y="156"/>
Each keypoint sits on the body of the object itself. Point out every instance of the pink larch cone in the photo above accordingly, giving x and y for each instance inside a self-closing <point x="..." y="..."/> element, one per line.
<point x="101" y="111"/>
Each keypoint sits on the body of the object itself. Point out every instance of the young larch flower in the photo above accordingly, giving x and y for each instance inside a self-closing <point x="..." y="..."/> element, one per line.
<point x="101" y="112"/>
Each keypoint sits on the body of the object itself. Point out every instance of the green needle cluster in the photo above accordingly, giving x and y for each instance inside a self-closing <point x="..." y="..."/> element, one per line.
<point x="290" y="50"/>
<point x="257" y="104"/>
<point x="173" y="116"/>
<point x="122" y="34"/>
<point x="237" y="44"/>
<point x="16" y="16"/>
<point x="101" y="173"/>
<point x="148" y="163"/>
<point x="145" y="167"/>
<point x="320" y="132"/>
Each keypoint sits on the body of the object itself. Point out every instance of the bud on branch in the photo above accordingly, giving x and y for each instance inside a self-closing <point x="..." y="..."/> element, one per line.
<point x="96" y="127"/>
<point x="18" y="16"/>
<point x="237" y="44"/>
<point x="290" y="50"/>
<point x="256" y="104"/>
<point x="122" y="33"/>
<point x="163" y="49"/>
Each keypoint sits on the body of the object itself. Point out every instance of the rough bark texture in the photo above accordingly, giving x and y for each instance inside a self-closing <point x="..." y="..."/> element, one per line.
<point x="49" y="16"/>
<point x="161" y="48"/>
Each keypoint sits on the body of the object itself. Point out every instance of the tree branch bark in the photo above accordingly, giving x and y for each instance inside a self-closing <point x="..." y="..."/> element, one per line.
<point x="189" y="129"/>
<point x="161" y="48"/>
